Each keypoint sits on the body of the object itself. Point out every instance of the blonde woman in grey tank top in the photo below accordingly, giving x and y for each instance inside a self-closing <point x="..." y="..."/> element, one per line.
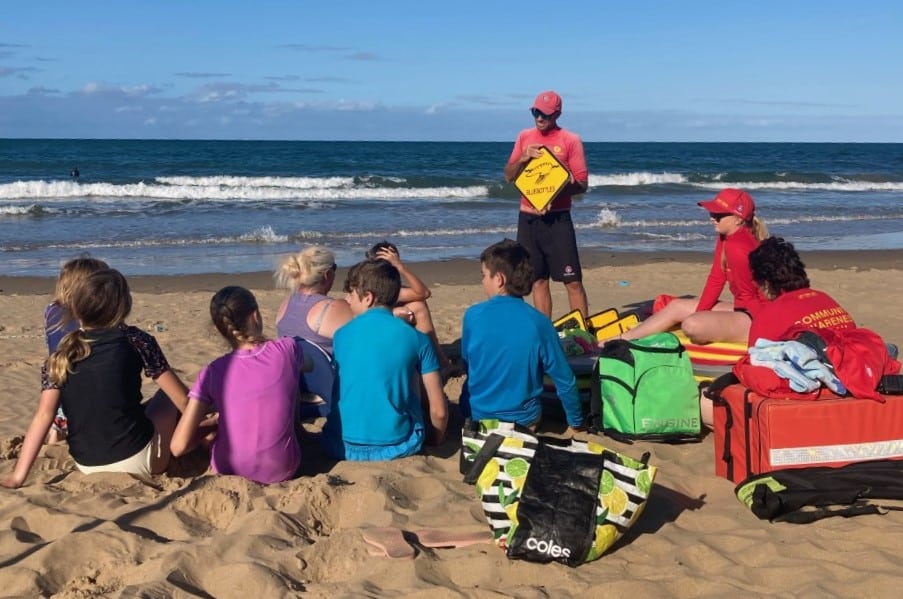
<point x="308" y="311"/>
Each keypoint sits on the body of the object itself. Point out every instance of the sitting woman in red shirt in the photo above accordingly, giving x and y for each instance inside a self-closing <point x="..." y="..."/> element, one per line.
<point x="706" y="319"/>
<point x="781" y="275"/>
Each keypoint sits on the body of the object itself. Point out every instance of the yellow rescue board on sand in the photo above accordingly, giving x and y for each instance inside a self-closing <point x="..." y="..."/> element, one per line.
<point x="600" y="319"/>
<point x="711" y="360"/>
<point x="604" y="325"/>
<point x="571" y="320"/>
<point x="720" y="352"/>
<point x="542" y="179"/>
<point x="621" y="325"/>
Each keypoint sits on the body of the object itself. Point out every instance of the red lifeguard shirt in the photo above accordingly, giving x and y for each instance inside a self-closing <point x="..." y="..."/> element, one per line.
<point x="566" y="146"/>
<point x="736" y="248"/>
<point x="805" y="307"/>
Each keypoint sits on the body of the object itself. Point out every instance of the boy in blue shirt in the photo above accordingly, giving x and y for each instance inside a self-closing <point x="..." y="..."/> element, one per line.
<point x="508" y="345"/>
<point x="377" y="411"/>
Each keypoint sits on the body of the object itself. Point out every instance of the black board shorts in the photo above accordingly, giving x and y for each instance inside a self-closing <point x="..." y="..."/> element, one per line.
<point x="552" y="243"/>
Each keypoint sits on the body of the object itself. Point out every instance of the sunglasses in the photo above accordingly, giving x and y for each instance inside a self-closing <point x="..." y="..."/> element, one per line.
<point x="719" y="215"/>
<point x="537" y="113"/>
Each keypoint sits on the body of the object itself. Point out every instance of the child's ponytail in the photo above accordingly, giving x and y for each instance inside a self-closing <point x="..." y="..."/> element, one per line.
<point x="100" y="300"/>
<point x="74" y="347"/>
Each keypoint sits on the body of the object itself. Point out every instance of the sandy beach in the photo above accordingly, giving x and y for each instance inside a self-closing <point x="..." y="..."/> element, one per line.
<point x="189" y="533"/>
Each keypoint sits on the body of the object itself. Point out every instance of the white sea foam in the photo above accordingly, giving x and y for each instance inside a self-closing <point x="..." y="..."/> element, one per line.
<point x="270" y="182"/>
<point x="317" y="235"/>
<point x="840" y="185"/>
<point x="687" y="223"/>
<point x="635" y="179"/>
<point x="16" y="210"/>
<point x="264" y="235"/>
<point x="607" y="218"/>
<point x="674" y="236"/>
<point x="57" y="190"/>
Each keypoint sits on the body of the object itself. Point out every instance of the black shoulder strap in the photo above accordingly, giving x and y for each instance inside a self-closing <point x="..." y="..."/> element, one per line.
<point x="617" y="436"/>
<point x="594" y="418"/>
<point x="848" y="511"/>
<point x="714" y="389"/>
<point x="490" y="445"/>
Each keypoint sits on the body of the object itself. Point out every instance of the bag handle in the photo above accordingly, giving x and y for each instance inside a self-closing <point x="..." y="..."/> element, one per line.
<point x="482" y="457"/>
<point x="594" y="418"/>
<point x="713" y="390"/>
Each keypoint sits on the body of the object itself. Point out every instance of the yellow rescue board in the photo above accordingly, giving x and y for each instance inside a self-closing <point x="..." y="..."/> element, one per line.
<point x="601" y="319"/>
<point x="712" y="353"/>
<point x="711" y="360"/>
<point x="621" y="325"/>
<point x="571" y="320"/>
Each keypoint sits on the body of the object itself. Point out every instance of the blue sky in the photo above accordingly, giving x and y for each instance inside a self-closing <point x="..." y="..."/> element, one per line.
<point x="420" y="70"/>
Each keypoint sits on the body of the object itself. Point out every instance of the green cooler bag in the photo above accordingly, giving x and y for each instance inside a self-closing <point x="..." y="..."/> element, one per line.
<point x="645" y="389"/>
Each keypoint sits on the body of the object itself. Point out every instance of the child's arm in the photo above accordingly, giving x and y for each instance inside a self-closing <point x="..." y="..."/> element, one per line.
<point x="188" y="432"/>
<point x="438" y="407"/>
<point x="174" y="388"/>
<point x="34" y="438"/>
<point x="555" y="365"/>
<point x="416" y="289"/>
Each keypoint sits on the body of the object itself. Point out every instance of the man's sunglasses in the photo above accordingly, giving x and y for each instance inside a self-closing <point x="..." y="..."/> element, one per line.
<point x="537" y="113"/>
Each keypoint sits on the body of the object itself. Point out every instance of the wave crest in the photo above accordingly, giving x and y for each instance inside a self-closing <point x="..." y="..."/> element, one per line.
<point x="325" y="189"/>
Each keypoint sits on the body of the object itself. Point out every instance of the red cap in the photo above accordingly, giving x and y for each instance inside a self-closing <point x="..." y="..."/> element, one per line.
<point x="548" y="102"/>
<point x="731" y="201"/>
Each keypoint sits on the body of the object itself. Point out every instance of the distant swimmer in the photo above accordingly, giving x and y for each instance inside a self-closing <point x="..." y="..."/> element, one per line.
<point x="74" y="172"/>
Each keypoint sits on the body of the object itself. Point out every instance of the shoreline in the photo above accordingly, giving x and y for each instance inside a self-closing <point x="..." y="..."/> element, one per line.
<point x="460" y="271"/>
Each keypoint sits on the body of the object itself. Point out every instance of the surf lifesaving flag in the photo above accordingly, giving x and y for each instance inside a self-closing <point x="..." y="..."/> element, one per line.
<point x="542" y="179"/>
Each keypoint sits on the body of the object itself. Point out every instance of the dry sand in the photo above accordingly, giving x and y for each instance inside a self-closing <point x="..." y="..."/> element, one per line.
<point x="191" y="533"/>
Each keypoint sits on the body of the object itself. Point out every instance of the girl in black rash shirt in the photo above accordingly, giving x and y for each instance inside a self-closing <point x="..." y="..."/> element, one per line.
<point x="95" y="374"/>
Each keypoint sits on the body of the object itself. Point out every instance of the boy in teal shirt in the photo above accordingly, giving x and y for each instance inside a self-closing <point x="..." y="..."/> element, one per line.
<point x="377" y="412"/>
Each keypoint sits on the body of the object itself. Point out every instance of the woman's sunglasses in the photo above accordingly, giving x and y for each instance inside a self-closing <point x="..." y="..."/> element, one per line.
<point x="719" y="215"/>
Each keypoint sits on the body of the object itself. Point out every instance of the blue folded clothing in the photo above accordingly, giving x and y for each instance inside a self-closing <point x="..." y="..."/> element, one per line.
<point x="796" y="362"/>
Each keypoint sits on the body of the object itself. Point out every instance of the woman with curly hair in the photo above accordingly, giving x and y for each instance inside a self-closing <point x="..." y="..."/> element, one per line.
<point x="779" y="272"/>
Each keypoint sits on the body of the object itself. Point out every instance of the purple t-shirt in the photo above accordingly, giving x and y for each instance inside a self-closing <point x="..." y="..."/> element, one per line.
<point x="255" y="392"/>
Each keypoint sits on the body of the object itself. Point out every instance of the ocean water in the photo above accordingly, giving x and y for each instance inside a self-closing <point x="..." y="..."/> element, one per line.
<point x="181" y="207"/>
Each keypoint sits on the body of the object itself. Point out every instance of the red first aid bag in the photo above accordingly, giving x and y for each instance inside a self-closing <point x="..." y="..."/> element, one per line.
<point x="756" y="434"/>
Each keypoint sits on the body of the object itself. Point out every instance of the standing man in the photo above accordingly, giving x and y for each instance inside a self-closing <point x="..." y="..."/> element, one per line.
<point x="549" y="235"/>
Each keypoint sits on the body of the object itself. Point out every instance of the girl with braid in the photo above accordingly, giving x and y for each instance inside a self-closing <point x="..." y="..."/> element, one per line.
<point x="95" y="374"/>
<point x="254" y="388"/>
